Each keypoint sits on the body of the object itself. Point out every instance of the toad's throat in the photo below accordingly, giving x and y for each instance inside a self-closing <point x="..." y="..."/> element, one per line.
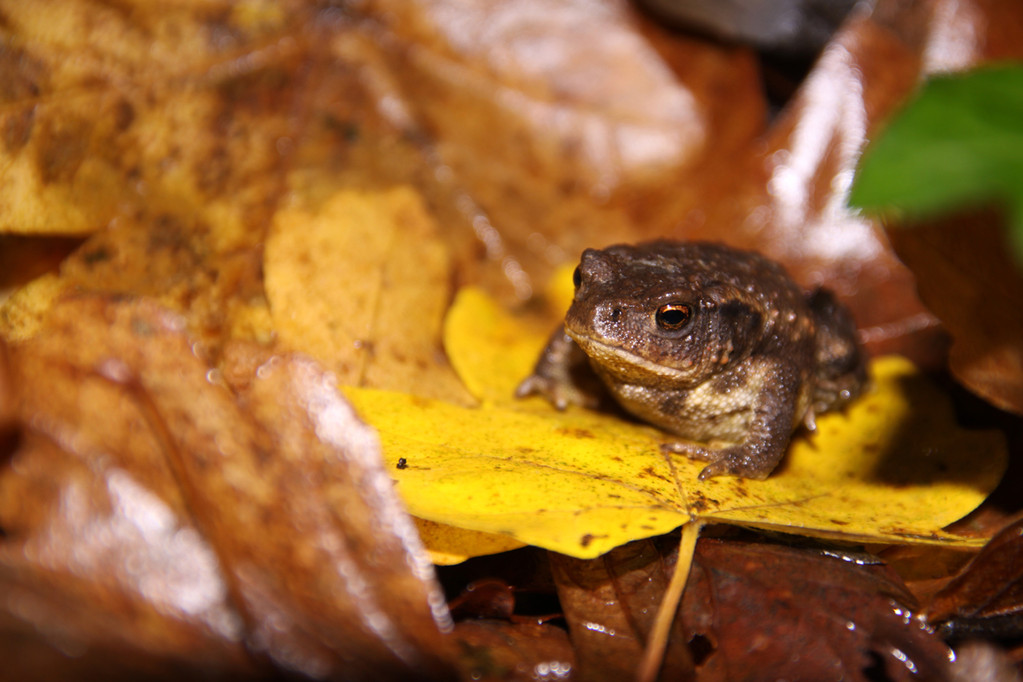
<point x="620" y="361"/>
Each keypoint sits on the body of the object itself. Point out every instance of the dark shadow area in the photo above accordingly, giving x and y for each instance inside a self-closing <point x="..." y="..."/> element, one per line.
<point x="920" y="452"/>
<point x="973" y="412"/>
<point x="23" y="258"/>
<point x="525" y="572"/>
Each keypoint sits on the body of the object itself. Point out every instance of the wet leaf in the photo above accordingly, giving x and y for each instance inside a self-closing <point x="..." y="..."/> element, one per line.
<point x="893" y="468"/>
<point x="986" y="598"/>
<point x="561" y="144"/>
<point x="610" y="603"/>
<point x="788" y="198"/>
<point x="269" y="500"/>
<point x="762" y="611"/>
<point x="964" y="273"/>
<point x="107" y="111"/>
<point x="751" y="610"/>
<point x="492" y="650"/>
<point x="104" y="574"/>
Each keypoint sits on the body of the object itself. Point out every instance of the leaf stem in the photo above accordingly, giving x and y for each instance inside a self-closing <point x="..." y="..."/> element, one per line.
<point x="653" y="655"/>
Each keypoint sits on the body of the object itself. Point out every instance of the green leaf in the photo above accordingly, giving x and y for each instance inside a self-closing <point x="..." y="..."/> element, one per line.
<point x="958" y="144"/>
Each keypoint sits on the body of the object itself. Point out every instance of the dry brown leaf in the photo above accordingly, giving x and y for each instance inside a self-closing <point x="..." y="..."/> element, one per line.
<point x="299" y="532"/>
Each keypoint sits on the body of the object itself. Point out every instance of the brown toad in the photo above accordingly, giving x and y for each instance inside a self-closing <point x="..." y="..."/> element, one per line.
<point x="707" y="342"/>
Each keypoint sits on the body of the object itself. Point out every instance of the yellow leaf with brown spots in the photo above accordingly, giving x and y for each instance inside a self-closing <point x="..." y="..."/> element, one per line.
<point x="107" y="110"/>
<point x="894" y="468"/>
<point x="450" y="545"/>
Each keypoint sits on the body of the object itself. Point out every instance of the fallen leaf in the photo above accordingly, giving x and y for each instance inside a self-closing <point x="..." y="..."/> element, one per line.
<point x="362" y="285"/>
<point x="893" y="468"/>
<point x="560" y="144"/>
<point x="751" y="610"/>
<point x="450" y="545"/>
<point x="164" y="257"/>
<point x="104" y="574"/>
<point x="270" y="501"/>
<point x="174" y="135"/>
<point x="490" y="650"/>
<point x="966" y="276"/>
<point x="107" y="111"/>
<point x="986" y="597"/>
<point x="755" y="610"/>
<point x="788" y="197"/>
<point x="610" y="603"/>
<point x="489" y="598"/>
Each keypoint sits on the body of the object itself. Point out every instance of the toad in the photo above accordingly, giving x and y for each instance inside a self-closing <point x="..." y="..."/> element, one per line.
<point x="714" y="345"/>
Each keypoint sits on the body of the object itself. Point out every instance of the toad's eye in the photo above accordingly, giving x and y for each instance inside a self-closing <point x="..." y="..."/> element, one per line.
<point x="673" y="316"/>
<point x="577" y="277"/>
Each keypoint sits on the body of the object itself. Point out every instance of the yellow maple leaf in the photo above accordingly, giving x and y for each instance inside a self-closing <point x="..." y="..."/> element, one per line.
<point x="894" y="468"/>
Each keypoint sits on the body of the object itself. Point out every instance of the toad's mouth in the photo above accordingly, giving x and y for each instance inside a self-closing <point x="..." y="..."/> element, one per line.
<point x="622" y="362"/>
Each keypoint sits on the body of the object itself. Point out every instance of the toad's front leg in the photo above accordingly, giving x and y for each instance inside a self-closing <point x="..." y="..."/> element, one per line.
<point x="768" y="437"/>
<point x="563" y="375"/>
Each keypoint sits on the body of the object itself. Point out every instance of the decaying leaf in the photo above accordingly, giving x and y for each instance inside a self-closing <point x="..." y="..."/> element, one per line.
<point x="987" y="595"/>
<point x="268" y="501"/>
<point x="610" y="603"/>
<point x="966" y="275"/>
<point x="106" y="111"/>
<point x="751" y="610"/>
<point x="565" y="143"/>
<point x="893" y="468"/>
<point x="491" y="650"/>
<point x="762" y="611"/>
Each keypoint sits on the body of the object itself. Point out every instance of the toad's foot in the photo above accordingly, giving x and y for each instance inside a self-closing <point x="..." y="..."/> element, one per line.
<point x="729" y="461"/>
<point x="560" y="393"/>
